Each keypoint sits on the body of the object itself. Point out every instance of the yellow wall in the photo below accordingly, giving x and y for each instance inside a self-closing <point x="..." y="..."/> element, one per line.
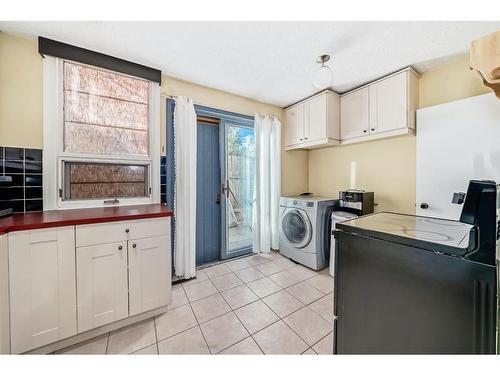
<point x="21" y="105"/>
<point x="387" y="166"/>
<point x="452" y="81"/>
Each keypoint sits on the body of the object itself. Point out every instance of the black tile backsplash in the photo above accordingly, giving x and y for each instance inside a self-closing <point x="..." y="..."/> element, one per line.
<point x="14" y="153"/>
<point x="14" y="167"/>
<point x="32" y="154"/>
<point x="34" y="180"/>
<point x="24" y="166"/>
<point x="34" y="205"/>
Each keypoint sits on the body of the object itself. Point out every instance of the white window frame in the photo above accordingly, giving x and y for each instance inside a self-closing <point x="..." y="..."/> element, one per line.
<point x="53" y="145"/>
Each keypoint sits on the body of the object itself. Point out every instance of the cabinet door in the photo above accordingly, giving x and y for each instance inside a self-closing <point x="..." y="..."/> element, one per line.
<point x="315" y="124"/>
<point x="294" y="126"/>
<point x="388" y="104"/>
<point x="42" y="287"/>
<point x="101" y="272"/>
<point x="149" y="273"/>
<point x="354" y="114"/>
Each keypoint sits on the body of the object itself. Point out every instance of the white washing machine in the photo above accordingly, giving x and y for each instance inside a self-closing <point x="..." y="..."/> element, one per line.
<point x="304" y="229"/>
<point x="337" y="217"/>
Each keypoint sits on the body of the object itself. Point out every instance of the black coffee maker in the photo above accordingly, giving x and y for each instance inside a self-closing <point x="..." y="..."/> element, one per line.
<point x="480" y="210"/>
<point x="358" y="202"/>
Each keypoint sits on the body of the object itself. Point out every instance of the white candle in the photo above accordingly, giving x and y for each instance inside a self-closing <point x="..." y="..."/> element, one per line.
<point x="353" y="175"/>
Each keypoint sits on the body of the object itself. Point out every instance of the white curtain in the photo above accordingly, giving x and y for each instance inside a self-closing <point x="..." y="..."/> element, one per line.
<point x="267" y="183"/>
<point x="185" y="187"/>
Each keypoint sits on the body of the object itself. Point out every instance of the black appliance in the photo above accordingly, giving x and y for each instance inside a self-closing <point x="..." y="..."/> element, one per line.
<point x="358" y="202"/>
<point x="410" y="284"/>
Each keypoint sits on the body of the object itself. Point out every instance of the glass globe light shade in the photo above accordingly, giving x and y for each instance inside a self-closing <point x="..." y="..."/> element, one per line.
<point x="322" y="77"/>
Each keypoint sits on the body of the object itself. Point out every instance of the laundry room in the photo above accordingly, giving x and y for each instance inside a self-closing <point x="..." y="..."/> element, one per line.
<point x="231" y="187"/>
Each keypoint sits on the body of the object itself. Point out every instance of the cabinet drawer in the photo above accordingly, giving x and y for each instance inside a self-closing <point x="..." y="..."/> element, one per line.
<point x="93" y="234"/>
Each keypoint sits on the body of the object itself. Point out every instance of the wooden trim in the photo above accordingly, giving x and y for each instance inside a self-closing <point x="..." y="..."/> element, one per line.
<point x="208" y="120"/>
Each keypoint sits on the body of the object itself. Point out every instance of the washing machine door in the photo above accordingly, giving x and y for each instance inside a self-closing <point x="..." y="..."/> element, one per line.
<point x="296" y="228"/>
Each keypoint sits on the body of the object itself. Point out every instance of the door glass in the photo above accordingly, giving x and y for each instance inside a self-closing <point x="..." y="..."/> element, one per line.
<point x="239" y="188"/>
<point x="294" y="227"/>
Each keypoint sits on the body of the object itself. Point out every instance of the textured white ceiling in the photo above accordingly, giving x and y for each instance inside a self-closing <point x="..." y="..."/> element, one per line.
<point x="269" y="61"/>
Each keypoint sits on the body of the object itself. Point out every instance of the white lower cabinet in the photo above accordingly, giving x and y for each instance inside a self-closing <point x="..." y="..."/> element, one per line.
<point x="149" y="273"/>
<point x="102" y="284"/>
<point x="42" y="287"/>
<point x="122" y="278"/>
<point x="59" y="282"/>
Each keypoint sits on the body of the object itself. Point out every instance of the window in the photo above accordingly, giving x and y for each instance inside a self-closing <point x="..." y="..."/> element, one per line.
<point x="104" y="113"/>
<point x="104" y="180"/>
<point x="104" y="150"/>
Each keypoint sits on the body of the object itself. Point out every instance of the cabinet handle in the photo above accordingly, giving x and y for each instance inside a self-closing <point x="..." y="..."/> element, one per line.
<point x="424" y="206"/>
<point x="364" y="131"/>
<point x="372" y="129"/>
<point x="300" y="139"/>
<point x="306" y="137"/>
<point x="134" y="246"/>
<point x="127" y="230"/>
<point x="120" y="247"/>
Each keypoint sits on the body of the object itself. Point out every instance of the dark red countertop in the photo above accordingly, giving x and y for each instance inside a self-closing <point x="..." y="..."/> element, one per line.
<point x="60" y="218"/>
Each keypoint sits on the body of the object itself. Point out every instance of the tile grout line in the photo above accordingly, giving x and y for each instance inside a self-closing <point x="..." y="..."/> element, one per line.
<point x="199" y="327"/>
<point x="321" y="339"/>
<point x="156" y="334"/>
<point x="249" y="334"/>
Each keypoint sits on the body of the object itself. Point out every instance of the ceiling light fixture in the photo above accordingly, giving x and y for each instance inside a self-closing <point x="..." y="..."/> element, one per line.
<point x="323" y="76"/>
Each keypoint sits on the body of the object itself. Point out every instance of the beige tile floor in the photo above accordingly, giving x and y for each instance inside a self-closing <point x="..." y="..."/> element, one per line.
<point x="259" y="304"/>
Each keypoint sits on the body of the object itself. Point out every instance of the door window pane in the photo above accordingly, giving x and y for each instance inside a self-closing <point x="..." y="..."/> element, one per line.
<point x="240" y="173"/>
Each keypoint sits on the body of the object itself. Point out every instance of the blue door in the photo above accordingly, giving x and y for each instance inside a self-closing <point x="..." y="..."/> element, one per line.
<point x="208" y="197"/>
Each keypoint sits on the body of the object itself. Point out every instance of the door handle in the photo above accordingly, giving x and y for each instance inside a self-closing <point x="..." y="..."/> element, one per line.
<point x="225" y="189"/>
<point x="217" y="199"/>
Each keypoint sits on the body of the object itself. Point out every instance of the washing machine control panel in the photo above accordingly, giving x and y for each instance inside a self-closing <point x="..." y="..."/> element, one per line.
<point x="302" y="204"/>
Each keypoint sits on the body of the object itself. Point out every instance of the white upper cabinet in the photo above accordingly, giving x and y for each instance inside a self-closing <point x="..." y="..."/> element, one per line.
<point x="42" y="287"/>
<point x="313" y="123"/>
<point x="384" y="108"/>
<point x="355" y="119"/>
<point x="294" y="128"/>
<point x="388" y="104"/>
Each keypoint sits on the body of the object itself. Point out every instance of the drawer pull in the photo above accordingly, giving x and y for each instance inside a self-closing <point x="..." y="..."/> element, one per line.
<point x="127" y="230"/>
<point x="120" y="247"/>
<point x="134" y="246"/>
